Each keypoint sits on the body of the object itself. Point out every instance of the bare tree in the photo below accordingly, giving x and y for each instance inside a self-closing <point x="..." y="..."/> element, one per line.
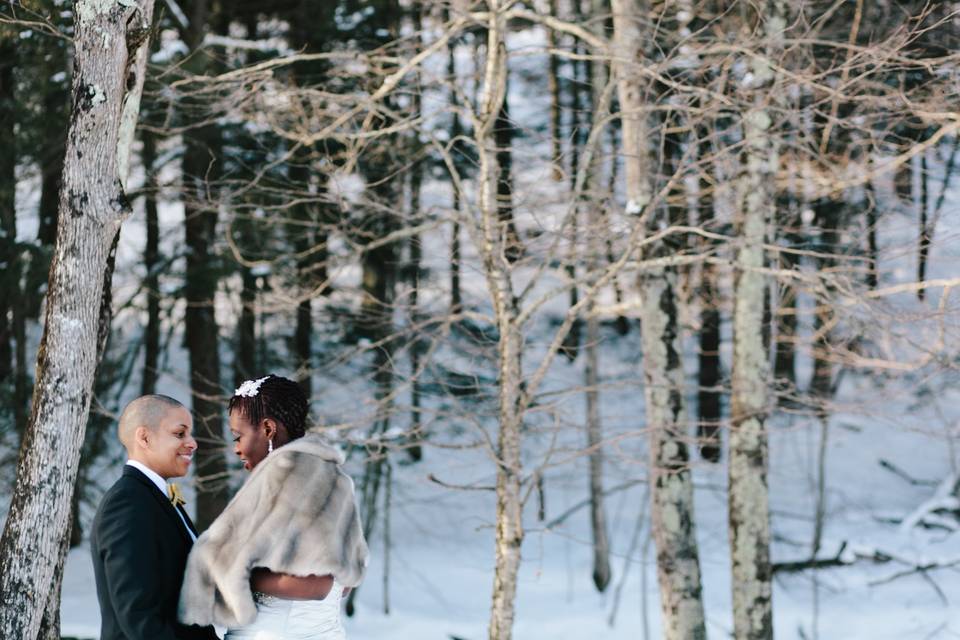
<point x="678" y="565"/>
<point x="748" y="501"/>
<point x="110" y="61"/>
<point x="496" y="261"/>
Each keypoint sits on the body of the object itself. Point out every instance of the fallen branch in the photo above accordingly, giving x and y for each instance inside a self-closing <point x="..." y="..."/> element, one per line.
<point x="897" y="471"/>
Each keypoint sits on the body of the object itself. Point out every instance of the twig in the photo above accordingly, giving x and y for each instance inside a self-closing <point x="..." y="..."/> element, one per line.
<point x="583" y="503"/>
<point x="461" y="487"/>
<point x="892" y="468"/>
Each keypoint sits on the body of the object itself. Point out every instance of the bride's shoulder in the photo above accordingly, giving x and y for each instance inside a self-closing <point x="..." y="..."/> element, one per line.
<point x="312" y="445"/>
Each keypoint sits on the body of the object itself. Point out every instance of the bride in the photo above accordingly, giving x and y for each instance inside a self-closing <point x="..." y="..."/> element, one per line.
<point x="289" y="546"/>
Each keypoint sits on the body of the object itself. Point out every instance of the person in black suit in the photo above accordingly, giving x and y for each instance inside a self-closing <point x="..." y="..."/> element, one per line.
<point x="141" y="537"/>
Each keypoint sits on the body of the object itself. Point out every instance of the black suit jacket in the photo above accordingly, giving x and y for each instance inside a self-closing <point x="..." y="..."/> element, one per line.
<point x="140" y="547"/>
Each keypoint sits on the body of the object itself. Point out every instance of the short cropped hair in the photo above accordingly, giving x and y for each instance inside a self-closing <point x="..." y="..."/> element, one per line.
<point x="145" y="411"/>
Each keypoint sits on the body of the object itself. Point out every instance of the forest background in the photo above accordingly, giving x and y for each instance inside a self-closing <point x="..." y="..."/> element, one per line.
<point x="608" y="303"/>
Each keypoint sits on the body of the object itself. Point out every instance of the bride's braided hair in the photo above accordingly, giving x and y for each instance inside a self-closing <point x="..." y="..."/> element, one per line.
<point x="278" y="398"/>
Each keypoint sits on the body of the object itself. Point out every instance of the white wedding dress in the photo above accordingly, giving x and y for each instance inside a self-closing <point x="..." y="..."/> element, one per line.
<point x="280" y="619"/>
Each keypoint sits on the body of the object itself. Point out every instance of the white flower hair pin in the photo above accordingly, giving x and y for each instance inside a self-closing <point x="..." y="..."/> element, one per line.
<point x="250" y="388"/>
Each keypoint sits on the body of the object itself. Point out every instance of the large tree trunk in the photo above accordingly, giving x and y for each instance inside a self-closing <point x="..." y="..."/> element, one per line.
<point x="92" y="207"/>
<point x="678" y="565"/>
<point x="749" y="517"/>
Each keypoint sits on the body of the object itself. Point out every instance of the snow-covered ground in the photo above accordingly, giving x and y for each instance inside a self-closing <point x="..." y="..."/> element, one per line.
<point x="441" y="560"/>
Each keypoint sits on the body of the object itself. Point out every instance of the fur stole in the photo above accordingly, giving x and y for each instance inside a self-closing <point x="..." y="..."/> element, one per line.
<point x="295" y="514"/>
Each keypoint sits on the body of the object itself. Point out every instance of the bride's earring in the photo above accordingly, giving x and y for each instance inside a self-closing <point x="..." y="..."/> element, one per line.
<point x="270" y="446"/>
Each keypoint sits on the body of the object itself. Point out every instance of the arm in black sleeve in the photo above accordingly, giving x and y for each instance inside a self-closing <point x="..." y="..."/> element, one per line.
<point x="128" y="544"/>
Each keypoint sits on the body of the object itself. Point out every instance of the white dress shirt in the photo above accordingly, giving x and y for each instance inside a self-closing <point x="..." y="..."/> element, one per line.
<point x="162" y="486"/>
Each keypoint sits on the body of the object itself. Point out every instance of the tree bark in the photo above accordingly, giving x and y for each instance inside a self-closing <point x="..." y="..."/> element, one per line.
<point x="92" y="207"/>
<point x="748" y="507"/>
<point x="749" y="517"/>
<point x="678" y="565"/>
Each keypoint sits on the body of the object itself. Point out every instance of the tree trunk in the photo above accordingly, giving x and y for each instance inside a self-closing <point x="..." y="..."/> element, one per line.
<point x="200" y="170"/>
<point x="873" y="251"/>
<point x="9" y="273"/>
<point x="245" y="357"/>
<point x="678" y="565"/>
<point x="828" y="211"/>
<point x="414" y="447"/>
<point x="748" y="507"/>
<point x="553" y="81"/>
<point x="596" y="232"/>
<point x="456" y="131"/>
<point x="51" y="165"/>
<point x="493" y="249"/>
<point x="309" y="240"/>
<point x="92" y="206"/>
<point x="13" y="310"/>
<point x="784" y="368"/>
<point x="598" y="517"/>
<point x="709" y="372"/>
<point x="748" y="510"/>
<point x="201" y="332"/>
<point x="151" y="260"/>
<point x="504" y="133"/>
<point x="923" y="249"/>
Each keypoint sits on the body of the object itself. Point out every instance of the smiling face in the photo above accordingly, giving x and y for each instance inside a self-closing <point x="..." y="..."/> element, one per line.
<point x="250" y="442"/>
<point x="168" y="447"/>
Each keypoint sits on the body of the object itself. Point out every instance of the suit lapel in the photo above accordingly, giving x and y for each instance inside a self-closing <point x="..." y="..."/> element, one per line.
<point x="162" y="500"/>
<point x="186" y="518"/>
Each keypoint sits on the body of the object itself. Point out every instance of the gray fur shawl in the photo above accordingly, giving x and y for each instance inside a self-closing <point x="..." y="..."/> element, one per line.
<point x="295" y="514"/>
